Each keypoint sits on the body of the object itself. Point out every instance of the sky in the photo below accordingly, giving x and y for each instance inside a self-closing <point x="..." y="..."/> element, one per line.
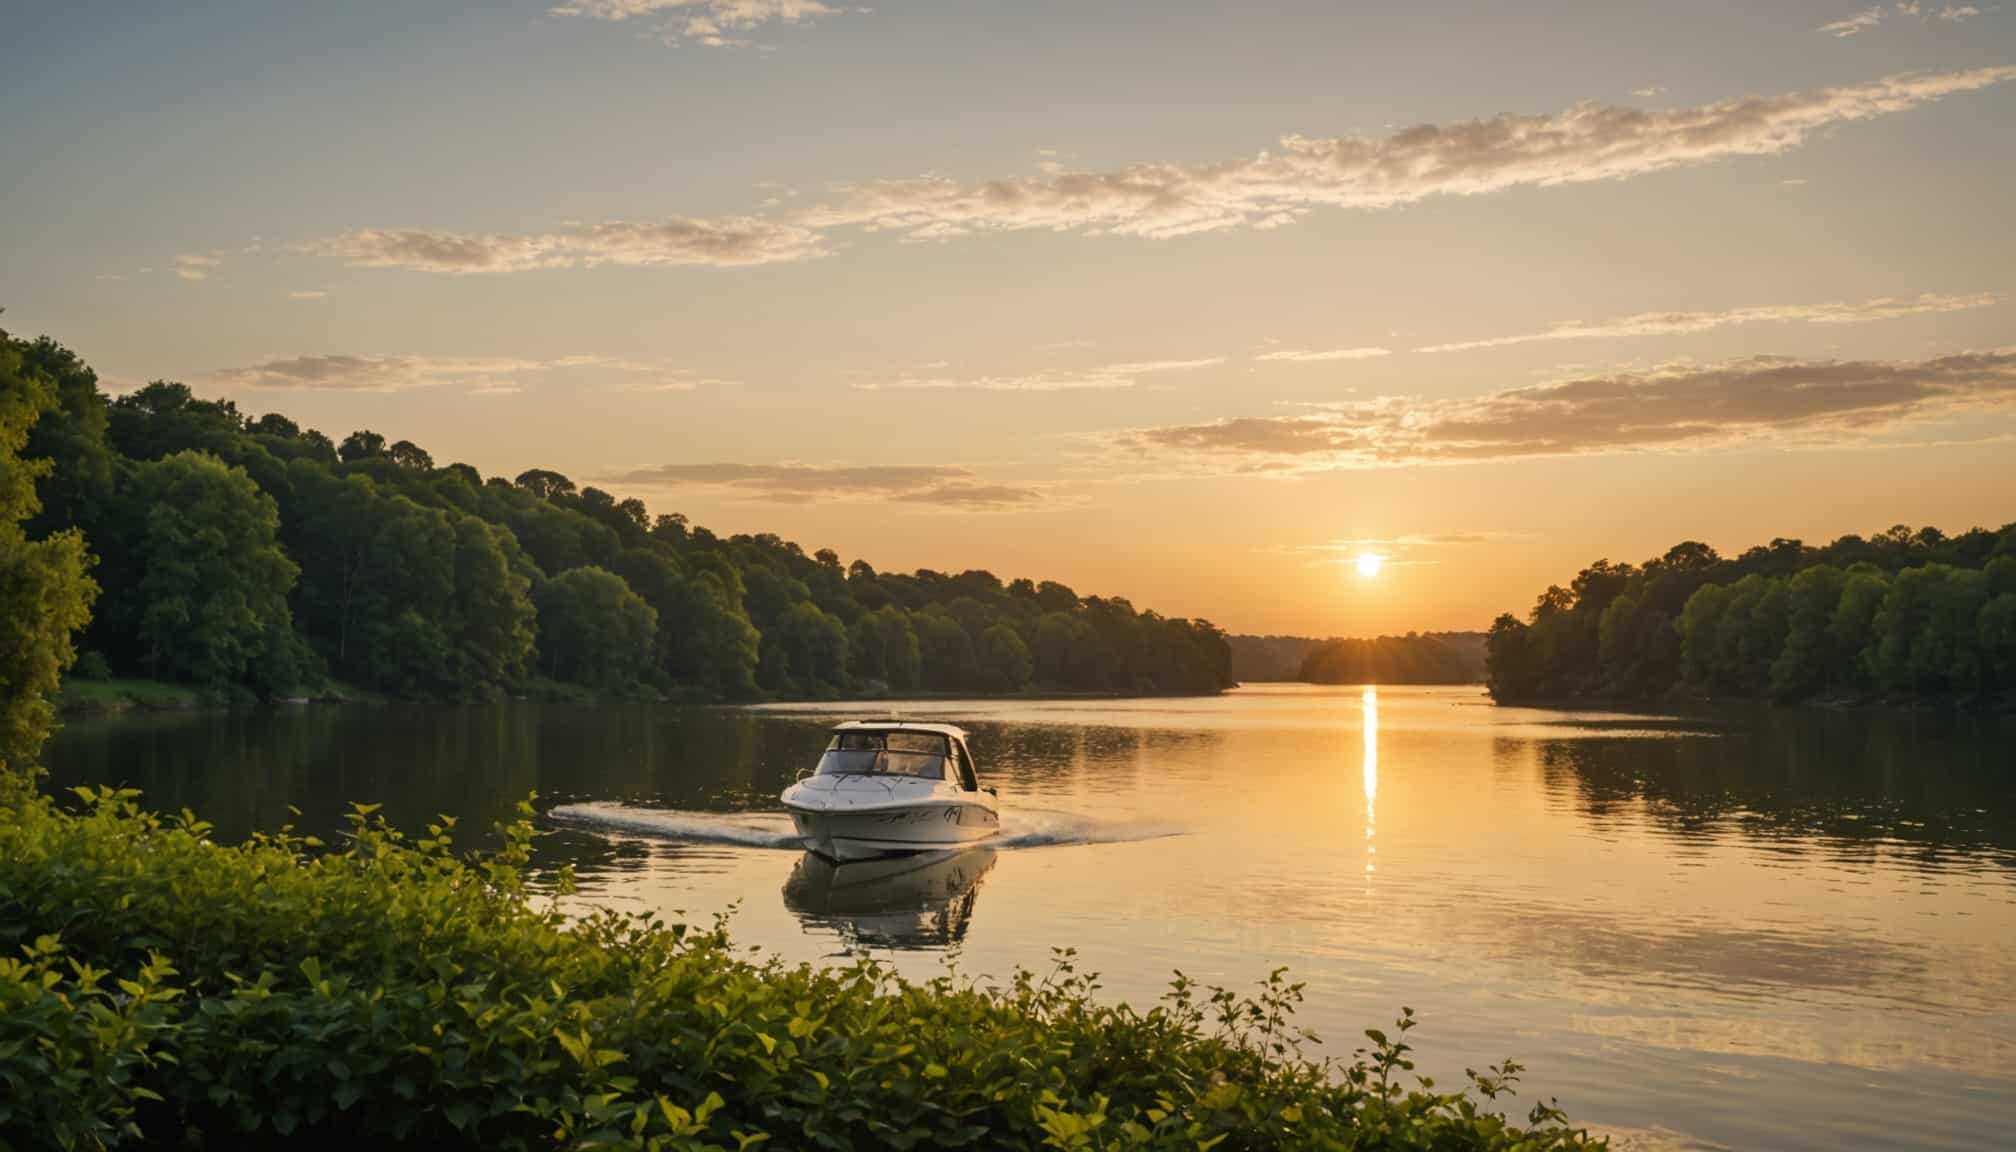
<point x="1189" y="303"/>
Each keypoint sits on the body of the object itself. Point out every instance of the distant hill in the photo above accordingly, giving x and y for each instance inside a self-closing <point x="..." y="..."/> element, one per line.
<point x="1416" y="658"/>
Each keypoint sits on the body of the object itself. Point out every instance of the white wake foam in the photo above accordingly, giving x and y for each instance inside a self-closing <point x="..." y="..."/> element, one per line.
<point x="1026" y="828"/>
<point x="751" y="829"/>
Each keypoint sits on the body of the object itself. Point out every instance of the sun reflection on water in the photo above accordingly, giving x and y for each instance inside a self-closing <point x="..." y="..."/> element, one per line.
<point x="1369" y="703"/>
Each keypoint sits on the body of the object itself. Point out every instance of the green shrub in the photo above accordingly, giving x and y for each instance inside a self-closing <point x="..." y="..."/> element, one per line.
<point x="172" y="990"/>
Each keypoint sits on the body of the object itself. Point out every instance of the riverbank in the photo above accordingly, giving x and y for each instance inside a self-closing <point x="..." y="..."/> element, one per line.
<point x="79" y="697"/>
<point x="399" y="995"/>
<point x="86" y="697"/>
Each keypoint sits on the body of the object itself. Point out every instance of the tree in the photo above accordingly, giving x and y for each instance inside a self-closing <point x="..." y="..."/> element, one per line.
<point x="594" y="631"/>
<point x="361" y="445"/>
<point x="1810" y="662"/>
<point x="494" y="621"/>
<point x="274" y="424"/>
<point x="77" y="490"/>
<point x="1925" y="632"/>
<point x="215" y="590"/>
<point x="1068" y="654"/>
<point x="947" y="660"/>
<point x="806" y="651"/>
<point x="407" y="454"/>
<point x="882" y="646"/>
<point x="45" y="587"/>
<point x="1509" y="670"/>
<point x="1004" y="660"/>
<point x="544" y="484"/>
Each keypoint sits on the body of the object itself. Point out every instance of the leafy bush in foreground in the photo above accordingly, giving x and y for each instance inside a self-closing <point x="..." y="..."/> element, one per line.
<point x="160" y="988"/>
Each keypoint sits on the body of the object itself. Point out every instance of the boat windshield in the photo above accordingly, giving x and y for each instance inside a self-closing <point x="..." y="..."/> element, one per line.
<point x="917" y="754"/>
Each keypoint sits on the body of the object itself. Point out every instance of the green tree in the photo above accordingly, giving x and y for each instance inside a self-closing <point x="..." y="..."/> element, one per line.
<point x="361" y="445"/>
<point x="495" y="621"/>
<point x="407" y="454"/>
<point x="71" y="436"/>
<point x="947" y="660"/>
<point x="1926" y="639"/>
<point x="1509" y="670"/>
<point x="1004" y="660"/>
<point x="806" y="651"/>
<point x="594" y="631"/>
<point x="1810" y="660"/>
<point x="882" y="646"/>
<point x="1853" y="629"/>
<point x="215" y="590"/>
<point x="1068" y="654"/>
<point x="45" y="587"/>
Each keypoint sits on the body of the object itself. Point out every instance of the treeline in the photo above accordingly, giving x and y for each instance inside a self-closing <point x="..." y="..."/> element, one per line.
<point x="1416" y="658"/>
<point x="1901" y="615"/>
<point x="254" y="554"/>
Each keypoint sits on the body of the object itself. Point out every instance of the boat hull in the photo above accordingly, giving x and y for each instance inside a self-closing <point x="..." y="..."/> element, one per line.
<point x="865" y="834"/>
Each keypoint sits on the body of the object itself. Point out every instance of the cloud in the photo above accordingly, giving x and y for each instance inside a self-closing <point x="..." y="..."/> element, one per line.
<point x="1859" y="22"/>
<point x="1123" y="375"/>
<point x="1672" y="409"/>
<point x="196" y="266"/>
<point x="308" y="294"/>
<point x="935" y="485"/>
<point x="1588" y="142"/>
<point x="482" y="375"/>
<point x="1682" y="323"/>
<point x="1299" y="356"/>
<point x="714" y="23"/>
<point x="1871" y="17"/>
<point x="725" y="243"/>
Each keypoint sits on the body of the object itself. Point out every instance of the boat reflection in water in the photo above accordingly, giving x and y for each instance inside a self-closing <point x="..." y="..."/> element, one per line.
<point x="920" y="901"/>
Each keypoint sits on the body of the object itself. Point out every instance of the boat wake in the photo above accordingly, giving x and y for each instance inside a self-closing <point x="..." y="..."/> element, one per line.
<point x="748" y="829"/>
<point x="1022" y="829"/>
<point x="1037" y="828"/>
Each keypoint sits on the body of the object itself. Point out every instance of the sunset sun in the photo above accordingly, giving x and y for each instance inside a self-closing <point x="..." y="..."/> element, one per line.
<point x="1369" y="564"/>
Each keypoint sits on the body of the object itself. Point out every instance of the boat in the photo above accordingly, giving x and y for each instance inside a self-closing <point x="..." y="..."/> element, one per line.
<point x="887" y="788"/>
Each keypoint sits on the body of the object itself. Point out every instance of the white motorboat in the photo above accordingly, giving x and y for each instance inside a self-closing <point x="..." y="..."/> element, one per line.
<point x="884" y="788"/>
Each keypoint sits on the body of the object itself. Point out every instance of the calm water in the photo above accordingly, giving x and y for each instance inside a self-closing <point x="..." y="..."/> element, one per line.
<point x="1780" y="930"/>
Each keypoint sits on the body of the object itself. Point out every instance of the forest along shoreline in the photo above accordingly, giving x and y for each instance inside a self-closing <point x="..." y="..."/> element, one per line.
<point x="1906" y="618"/>
<point x="236" y="558"/>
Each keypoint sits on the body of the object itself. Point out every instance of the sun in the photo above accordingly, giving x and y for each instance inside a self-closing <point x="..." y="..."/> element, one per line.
<point x="1369" y="564"/>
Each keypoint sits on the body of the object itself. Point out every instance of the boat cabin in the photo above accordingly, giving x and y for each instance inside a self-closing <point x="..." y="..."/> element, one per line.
<point x="895" y="748"/>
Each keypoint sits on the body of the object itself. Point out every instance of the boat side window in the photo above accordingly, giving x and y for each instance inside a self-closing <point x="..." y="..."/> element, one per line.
<point x="964" y="761"/>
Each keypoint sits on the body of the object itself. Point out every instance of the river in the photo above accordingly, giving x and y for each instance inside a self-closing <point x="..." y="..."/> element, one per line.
<point x="1768" y="929"/>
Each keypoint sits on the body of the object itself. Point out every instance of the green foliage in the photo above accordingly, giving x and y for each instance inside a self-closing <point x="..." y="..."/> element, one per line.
<point x="1906" y="614"/>
<point x="593" y="630"/>
<point x="163" y="990"/>
<point x="1005" y="664"/>
<point x="45" y="587"/>
<point x="213" y="598"/>
<point x="805" y="651"/>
